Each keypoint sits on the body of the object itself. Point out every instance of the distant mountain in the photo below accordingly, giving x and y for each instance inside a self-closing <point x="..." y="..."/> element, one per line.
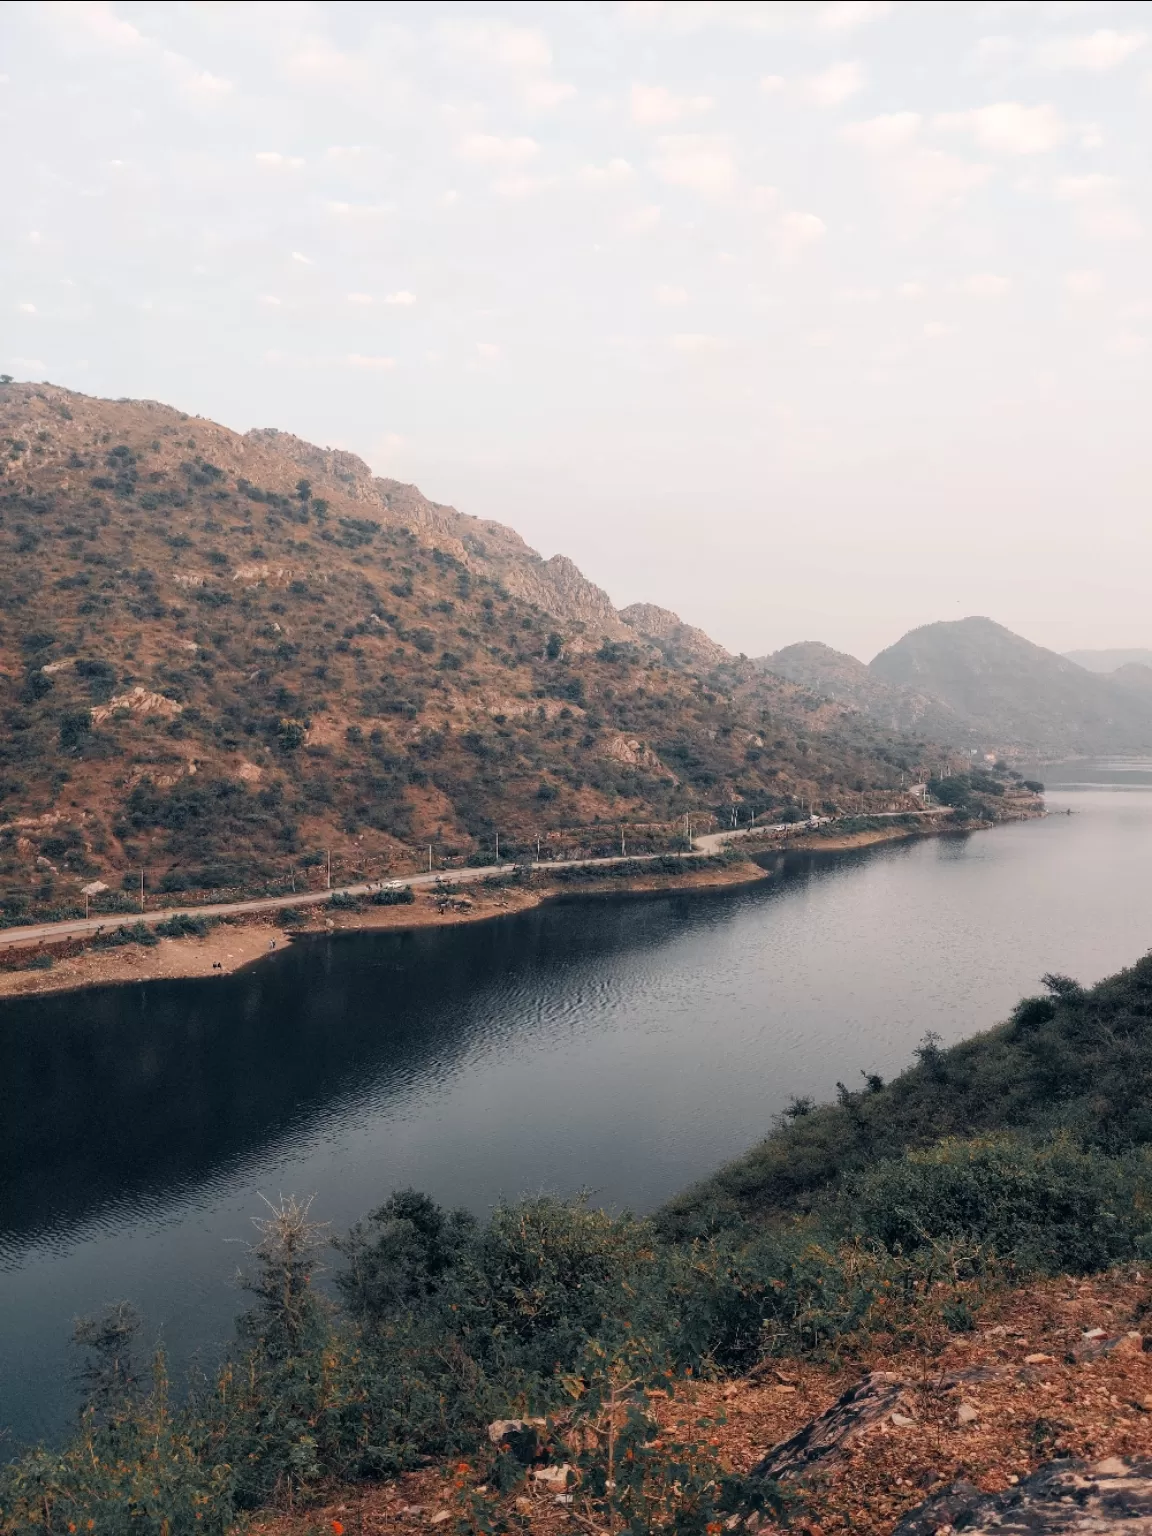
<point x="1014" y="693"/>
<point x="1109" y="661"/>
<point x="842" y="677"/>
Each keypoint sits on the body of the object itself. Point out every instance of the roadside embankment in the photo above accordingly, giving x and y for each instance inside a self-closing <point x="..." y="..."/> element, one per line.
<point x="129" y="950"/>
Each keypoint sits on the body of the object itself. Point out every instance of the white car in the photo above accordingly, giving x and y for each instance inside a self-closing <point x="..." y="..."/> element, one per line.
<point x="393" y="885"/>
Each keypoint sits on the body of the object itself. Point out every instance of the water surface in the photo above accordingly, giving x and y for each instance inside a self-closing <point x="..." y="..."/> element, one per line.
<point x="625" y="1045"/>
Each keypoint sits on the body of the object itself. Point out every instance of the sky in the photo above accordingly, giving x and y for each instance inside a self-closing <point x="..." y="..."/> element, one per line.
<point x="808" y="321"/>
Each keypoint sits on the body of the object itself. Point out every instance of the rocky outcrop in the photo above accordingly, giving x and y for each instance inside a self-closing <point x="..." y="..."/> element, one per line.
<point x="1063" y="1497"/>
<point x="682" y="644"/>
<point x="881" y="1395"/>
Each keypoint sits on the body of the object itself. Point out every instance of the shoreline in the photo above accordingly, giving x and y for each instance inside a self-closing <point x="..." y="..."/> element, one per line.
<point x="239" y="942"/>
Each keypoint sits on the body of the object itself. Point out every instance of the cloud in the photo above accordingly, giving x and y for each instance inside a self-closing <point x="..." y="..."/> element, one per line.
<point x="1128" y="344"/>
<point x="881" y="135"/>
<point x="1009" y="127"/>
<point x="1075" y="189"/>
<point x="401" y="296"/>
<point x="846" y="15"/>
<point x="935" y="330"/>
<point x="522" y="51"/>
<point x="1093" y="51"/>
<point x="669" y="293"/>
<point x="488" y="350"/>
<point x="655" y="106"/>
<point x="697" y="342"/>
<point x="1084" y="284"/>
<point x="270" y="300"/>
<point x="547" y="93"/>
<point x="986" y="285"/>
<point x="305" y="261"/>
<point x="491" y="149"/>
<point x="772" y="84"/>
<point x="202" y="86"/>
<point x="614" y="172"/>
<point x="1111" y="221"/>
<point x="360" y="298"/>
<point x="821" y="338"/>
<point x="274" y="160"/>
<point x="377" y="364"/>
<point x="361" y="210"/>
<point x="497" y="42"/>
<point x="27" y="309"/>
<point x="641" y="221"/>
<point x="911" y="290"/>
<point x="796" y="232"/>
<point x="834" y="85"/>
<point x="703" y="165"/>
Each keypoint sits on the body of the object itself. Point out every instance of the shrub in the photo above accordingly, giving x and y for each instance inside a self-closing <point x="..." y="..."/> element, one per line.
<point x="401" y="898"/>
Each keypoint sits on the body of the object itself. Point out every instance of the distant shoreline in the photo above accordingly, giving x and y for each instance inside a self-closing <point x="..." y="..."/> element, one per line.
<point x="239" y="943"/>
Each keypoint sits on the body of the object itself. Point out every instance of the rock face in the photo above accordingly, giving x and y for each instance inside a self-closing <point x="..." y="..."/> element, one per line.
<point x="557" y="585"/>
<point x="680" y="643"/>
<point x="1065" y="1496"/>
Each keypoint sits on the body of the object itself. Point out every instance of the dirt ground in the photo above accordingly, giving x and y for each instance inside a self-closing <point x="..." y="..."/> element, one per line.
<point x="1025" y="1386"/>
<point x="232" y="945"/>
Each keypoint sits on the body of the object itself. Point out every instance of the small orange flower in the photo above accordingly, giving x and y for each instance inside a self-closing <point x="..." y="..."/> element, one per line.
<point x="338" y="1528"/>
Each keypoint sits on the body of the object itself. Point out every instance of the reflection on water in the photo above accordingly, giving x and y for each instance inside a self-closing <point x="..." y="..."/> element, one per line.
<point x="624" y="1045"/>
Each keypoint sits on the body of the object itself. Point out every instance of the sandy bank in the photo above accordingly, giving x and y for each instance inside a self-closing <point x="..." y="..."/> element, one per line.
<point x="238" y="943"/>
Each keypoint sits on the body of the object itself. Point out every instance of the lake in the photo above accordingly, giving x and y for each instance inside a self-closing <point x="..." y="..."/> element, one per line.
<point x="623" y="1045"/>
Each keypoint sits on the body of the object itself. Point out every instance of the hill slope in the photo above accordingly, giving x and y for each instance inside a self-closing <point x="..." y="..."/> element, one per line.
<point x="1110" y="661"/>
<point x="843" y="677"/>
<point x="222" y="654"/>
<point x="1012" y="692"/>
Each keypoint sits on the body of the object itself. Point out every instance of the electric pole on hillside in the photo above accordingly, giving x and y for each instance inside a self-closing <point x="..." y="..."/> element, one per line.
<point x="328" y="868"/>
<point x="497" y="847"/>
<point x="141" y="890"/>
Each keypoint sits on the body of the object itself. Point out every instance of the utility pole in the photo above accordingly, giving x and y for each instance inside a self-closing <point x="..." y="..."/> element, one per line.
<point x="623" y="850"/>
<point x="497" y="847"/>
<point x="141" y="890"/>
<point x="329" y="868"/>
<point x="537" y="847"/>
<point x="87" y="900"/>
<point x="429" y="858"/>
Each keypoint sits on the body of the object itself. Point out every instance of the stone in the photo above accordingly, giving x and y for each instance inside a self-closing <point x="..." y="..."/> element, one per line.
<point x="967" y="1413"/>
<point x="880" y="1394"/>
<point x="1060" y="1499"/>
<point x="440" y="1516"/>
<point x="902" y="1421"/>
<point x="500" y="1429"/>
<point x="552" y="1477"/>
<point x="1037" y="1359"/>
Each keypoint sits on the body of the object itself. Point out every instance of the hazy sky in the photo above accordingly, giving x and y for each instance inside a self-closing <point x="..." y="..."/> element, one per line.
<point x="808" y="321"/>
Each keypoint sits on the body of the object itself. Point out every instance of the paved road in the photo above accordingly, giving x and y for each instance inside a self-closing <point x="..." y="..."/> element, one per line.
<point x="703" y="846"/>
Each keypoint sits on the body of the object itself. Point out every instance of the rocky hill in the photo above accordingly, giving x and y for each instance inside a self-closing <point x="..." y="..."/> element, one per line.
<point x="223" y="655"/>
<point x="975" y="685"/>
<point x="840" y="676"/>
<point x="1014" y="693"/>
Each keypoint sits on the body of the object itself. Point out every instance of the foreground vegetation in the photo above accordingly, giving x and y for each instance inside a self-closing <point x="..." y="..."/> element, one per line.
<point x="1022" y="1152"/>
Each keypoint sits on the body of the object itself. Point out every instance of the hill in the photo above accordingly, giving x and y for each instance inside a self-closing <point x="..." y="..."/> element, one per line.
<point x="840" y="676"/>
<point x="223" y="655"/>
<point x="1012" y="693"/>
<point x="1110" y="661"/>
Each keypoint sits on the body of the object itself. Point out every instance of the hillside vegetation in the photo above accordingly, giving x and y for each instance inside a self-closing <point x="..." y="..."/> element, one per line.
<point x="853" y="1228"/>
<point x="222" y="655"/>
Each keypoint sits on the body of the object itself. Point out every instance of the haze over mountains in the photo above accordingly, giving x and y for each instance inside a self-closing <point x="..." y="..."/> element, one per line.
<point x="975" y="684"/>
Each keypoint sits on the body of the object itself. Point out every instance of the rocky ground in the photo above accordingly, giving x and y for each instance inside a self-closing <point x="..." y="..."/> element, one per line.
<point x="1039" y="1419"/>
